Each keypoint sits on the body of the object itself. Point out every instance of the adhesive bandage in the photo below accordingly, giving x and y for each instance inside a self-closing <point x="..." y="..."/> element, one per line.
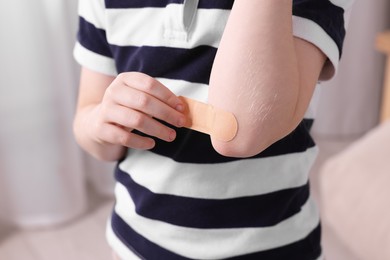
<point x="205" y="118"/>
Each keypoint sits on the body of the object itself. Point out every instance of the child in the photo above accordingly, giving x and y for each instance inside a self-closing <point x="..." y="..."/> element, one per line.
<point x="181" y="194"/>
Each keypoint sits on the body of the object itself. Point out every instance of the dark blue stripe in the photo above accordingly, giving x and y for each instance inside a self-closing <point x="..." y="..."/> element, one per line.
<point x="216" y="4"/>
<point x="92" y="38"/>
<point x="306" y="249"/>
<point x="195" y="147"/>
<point x="326" y="15"/>
<point x="192" y="65"/>
<point x="206" y="4"/>
<point x="140" y="3"/>
<point x="252" y="211"/>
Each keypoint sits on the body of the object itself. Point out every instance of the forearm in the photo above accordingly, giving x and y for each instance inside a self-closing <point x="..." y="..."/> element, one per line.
<point x="101" y="150"/>
<point x="256" y="75"/>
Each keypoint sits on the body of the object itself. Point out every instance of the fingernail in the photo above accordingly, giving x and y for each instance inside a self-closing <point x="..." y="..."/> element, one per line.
<point x="180" y="108"/>
<point x="172" y="135"/>
<point x="181" y="121"/>
<point x="152" y="143"/>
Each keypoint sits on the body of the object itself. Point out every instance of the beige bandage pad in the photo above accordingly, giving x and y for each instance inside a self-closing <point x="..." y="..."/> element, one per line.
<point x="205" y="118"/>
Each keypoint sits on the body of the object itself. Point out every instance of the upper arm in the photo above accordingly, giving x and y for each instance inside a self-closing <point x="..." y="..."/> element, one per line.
<point x="310" y="62"/>
<point x="323" y="23"/>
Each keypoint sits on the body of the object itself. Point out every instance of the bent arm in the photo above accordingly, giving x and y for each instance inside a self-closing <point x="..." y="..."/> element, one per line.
<point x="262" y="74"/>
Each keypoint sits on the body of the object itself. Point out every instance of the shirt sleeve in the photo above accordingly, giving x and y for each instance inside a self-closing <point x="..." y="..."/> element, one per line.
<point x="323" y="23"/>
<point x="92" y="49"/>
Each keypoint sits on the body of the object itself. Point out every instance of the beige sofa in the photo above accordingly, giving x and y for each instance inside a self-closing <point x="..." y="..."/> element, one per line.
<point x="354" y="194"/>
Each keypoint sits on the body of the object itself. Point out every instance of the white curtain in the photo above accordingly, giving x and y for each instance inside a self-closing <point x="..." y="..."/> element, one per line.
<point x="349" y="104"/>
<point x="43" y="173"/>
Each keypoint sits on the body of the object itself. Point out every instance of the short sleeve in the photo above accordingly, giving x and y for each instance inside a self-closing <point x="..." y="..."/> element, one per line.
<point x="92" y="49"/>
<point x="323" y="23"/>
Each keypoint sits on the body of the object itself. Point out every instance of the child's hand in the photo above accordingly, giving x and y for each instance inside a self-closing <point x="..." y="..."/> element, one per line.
<point x="133" y="101"/>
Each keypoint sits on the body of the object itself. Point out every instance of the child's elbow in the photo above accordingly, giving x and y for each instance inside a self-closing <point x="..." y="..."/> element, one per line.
<point x="238" y="147"/>
<point x="250" y="143"/>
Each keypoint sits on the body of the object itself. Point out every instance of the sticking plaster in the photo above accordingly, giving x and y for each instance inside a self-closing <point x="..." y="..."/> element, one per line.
<point x="205" y="118"/>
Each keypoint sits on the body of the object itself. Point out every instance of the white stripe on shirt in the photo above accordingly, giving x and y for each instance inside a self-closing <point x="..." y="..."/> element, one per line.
<point x="93" y="12"/>
<point x="94" y="61"/>
<point x="138" y="32"/>
<point x="220" y="180"/>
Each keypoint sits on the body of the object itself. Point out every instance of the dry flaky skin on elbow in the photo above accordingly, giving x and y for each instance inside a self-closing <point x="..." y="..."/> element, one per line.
<point x="263" y="75"/>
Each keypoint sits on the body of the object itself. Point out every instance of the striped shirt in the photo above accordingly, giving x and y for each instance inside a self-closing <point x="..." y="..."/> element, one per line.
<point x="183" y="200"/>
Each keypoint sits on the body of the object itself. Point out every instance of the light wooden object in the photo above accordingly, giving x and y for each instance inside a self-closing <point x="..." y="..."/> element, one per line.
<point x="383" y="45"/>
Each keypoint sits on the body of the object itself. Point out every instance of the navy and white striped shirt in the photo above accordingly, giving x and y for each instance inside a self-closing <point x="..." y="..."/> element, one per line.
<point x="182" y="200"/>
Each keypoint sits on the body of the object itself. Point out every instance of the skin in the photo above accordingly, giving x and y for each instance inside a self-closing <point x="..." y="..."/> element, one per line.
<point x="261" y="73"/>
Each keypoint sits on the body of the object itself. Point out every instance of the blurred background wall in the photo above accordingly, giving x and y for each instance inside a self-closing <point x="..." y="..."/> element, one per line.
<point x="44" y="176"/>
<point x="349" y="105"/>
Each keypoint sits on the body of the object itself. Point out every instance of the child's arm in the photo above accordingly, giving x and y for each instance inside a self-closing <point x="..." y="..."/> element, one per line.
<point x="263" y="75"/>
<point x="110" y="108"/>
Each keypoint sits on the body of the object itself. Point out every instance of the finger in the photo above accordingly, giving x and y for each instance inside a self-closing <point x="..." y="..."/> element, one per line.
<point x="133" y="119"/>
<point x="153" y="87"/>
<point x="147" y="104"/>
<point x="116" y="135"/>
